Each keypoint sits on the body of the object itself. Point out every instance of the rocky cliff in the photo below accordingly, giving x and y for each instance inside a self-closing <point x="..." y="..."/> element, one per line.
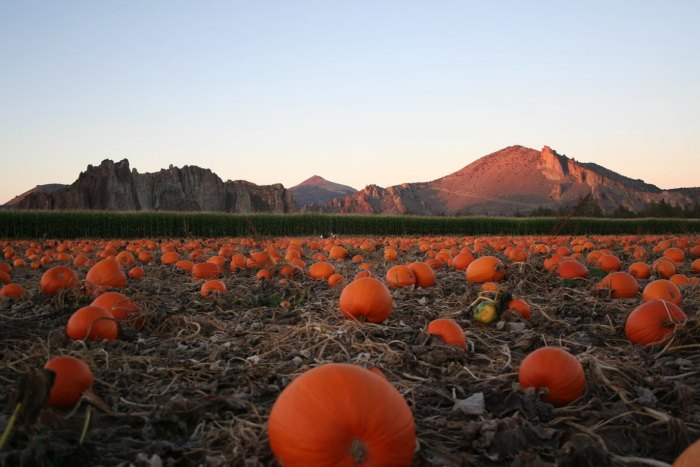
<point x="115" y="187"/>
<point x="513" y="180"/>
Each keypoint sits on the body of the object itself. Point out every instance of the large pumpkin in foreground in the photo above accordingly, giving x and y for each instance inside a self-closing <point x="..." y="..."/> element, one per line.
<point x="556" y="370"/>
<point x="341" y="414"/>
<point x="366" y="298"/>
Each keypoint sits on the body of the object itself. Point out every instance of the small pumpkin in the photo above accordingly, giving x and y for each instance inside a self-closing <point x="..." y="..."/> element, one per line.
<point x="689" y="457"/>
<point x="640" y="270"/>
<point x="486" y="312"/>
<point x="653" y="321"/>
<point x="521" y="307"/>
<point x="448" y="331"/>
<point x="92" y="323"/>
<point x="335" y="279"/>
<point x="462" y="260"/>
<point x="58" y="278"/>
<point x="206" y="270"/>
<point x="73" y="378"/>
<point x="119" y="305"/>
<point x="557" y="371"/>
<point x="341" y="414"/>
<point x="366" y="298"/>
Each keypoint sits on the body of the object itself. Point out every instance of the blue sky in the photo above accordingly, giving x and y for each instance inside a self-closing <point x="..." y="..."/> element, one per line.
<point x="358" y="92"/>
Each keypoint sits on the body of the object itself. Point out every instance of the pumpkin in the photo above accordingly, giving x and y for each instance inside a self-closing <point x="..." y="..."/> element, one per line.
<point x="341" y="414"/>
<point x="136" y="272"/>
<point x="335" y="279"/>
<point x="263" y="274"/>
<point x="400" y="276"/>
<point x="5" y="277"/>
<point x="555" y="370"/>
<point x="12" y="290"/>
<point x="119" y="305"/>
<point x="125" y="258"/>
<point x="689" y="457"/>
<point x="571" y="269"/>
<point x="321" y="270"/>
<point x="425" y="275"/>
<point x="338" y="253"/>
<point x="485" y="269"/>
<point x="489" y="287"/>
<point x="653" y="321"/>
<point x="390" y="254"/>
<point x="260" y="258"/>
<point x="621" y="284"/>
<point x="206" y="270"/>
<point x="213" y="285"/>
<point x="640" y="270"/>
<point x="106" y="273"/>
<point x="664" y="267"/>
<point x="92" y="322"/>
<point x="58" y="278"/>
<point x="462" y="260"/>
<point x="486" y="312"/>
<point x="662" y="289"/>
<point x="674" y="254"/>
<point x="72" y="379"/>
<point x="169" y="257"/>
<point x="448" y="331"/>
<point x="521" y="307"/>
<point x="609" y="263"/>
<point x="366" y="298"/>
<point x="695" y="266"/>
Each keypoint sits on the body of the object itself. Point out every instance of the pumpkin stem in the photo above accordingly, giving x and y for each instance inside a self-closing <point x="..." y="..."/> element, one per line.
<point x="358" y="450"/>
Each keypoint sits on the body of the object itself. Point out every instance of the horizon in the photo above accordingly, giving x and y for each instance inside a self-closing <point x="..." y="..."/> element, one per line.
<point x="359" y="93"/>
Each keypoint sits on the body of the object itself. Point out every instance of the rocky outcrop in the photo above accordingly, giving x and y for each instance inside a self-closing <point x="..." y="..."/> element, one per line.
<point x="45" y="189"/>
<point x="317" y="191"/>
<point x="513" y="180"/>
<point x="115" y="187"/>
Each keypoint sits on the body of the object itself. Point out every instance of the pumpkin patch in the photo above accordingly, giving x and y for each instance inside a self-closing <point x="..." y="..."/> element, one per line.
<point x="363" y="350"/>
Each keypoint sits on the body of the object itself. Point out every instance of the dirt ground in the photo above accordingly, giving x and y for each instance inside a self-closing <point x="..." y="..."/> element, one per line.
<point x="195" y="385"/>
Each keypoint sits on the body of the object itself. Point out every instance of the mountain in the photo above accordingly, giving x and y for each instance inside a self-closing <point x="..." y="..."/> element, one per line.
<point x="48" y="188"/>
<point x="317" y="191"/>
<point x="115" y="187"/>
<point x="513" y="180"/>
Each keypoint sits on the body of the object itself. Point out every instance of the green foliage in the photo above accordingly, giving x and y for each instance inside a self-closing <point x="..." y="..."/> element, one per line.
<point x="103" y="224"/>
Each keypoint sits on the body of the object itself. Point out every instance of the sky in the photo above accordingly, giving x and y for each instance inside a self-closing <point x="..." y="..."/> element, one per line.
<point x="359" y="92"/>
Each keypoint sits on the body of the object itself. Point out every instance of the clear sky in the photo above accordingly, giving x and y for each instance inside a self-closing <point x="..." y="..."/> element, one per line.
<point x="356" y="91"/>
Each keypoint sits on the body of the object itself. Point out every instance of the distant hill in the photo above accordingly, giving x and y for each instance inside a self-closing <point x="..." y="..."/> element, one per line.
<point x="318" y="191"/>
<point x="46" y="189"/>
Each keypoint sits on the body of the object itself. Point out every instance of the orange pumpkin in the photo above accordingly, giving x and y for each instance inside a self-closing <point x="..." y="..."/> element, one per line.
<point x="571" y="269"/>
<point x="120" y="306"/>
<point x="609" y="263"/>
<point x="321" y="270"/>
<point x="366" y="298"/>
<point x="400" y="276"/>
<point x="206" y="270"/>
<point x="58" y="278"/>
<point x="335" y="279"/>
<point x="689" y="457"/>
<point x="341" y="414"/>
<point x="73" y="378"/>
<point x="521" y="307"/>
<point x="106" y="273"/>
<point x="425" y="275"/>
<point x="664" y="267"/>
<point x="556" y="370"/>
<point x="136" y="272"/>
<point x="695" y="266"/>
<point x="622" y="284"/>
<point x="640" y="270"/>
<point x="92" y="322"/>
<point x="448" y="331"/>
<point x="662" y="289"/>
<point x="12" y="290"/>
<point x="485" y="269"/>
<point x="462" y="260"/>
<point x="653" y="321"/>
<point x="213" y="285"/>
<point x="338" y="253"/>
<point x="169" y="257"/>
